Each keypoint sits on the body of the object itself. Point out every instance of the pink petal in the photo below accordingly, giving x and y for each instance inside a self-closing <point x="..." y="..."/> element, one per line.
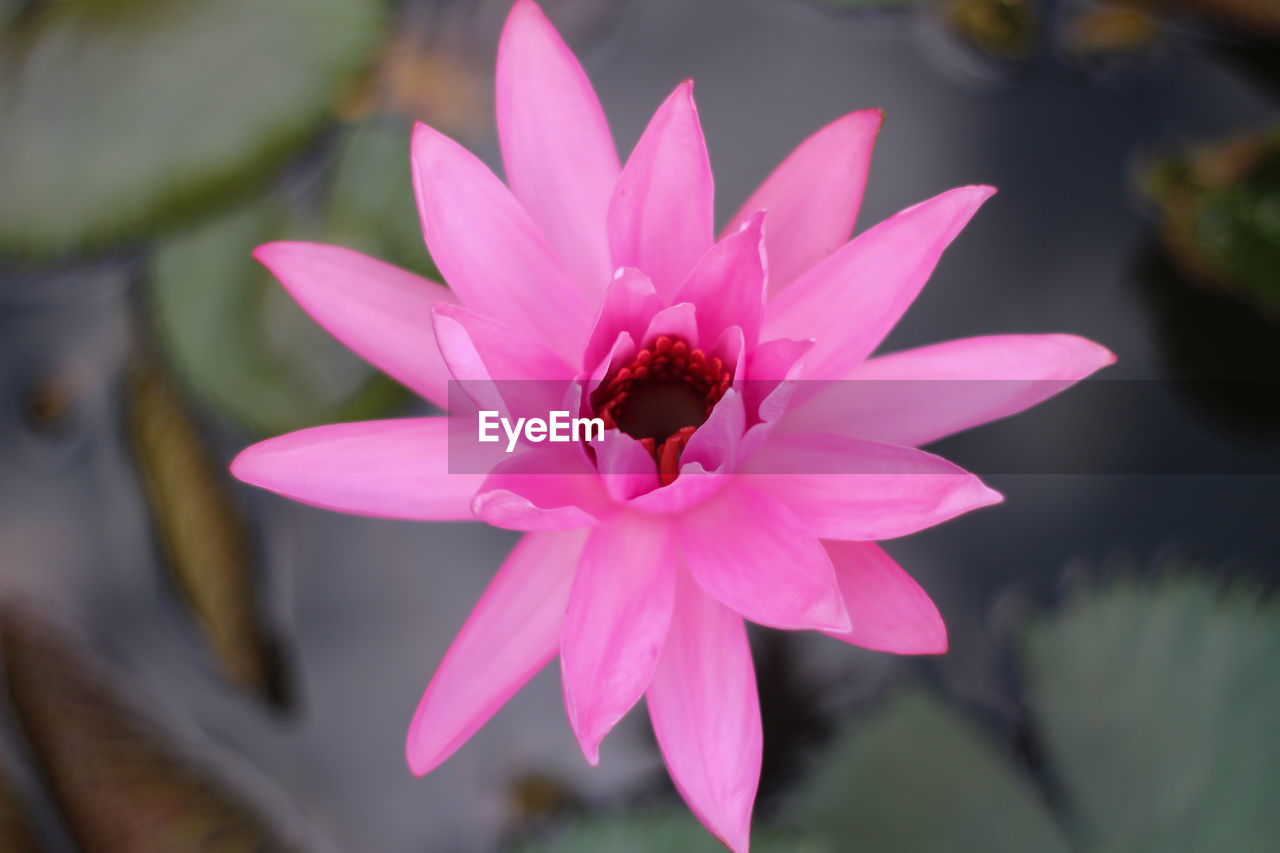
<point x="381" y="312"/>
<point x="924" y="394"/>
<point x="626" y="468"/>
<point x="616" y="623"/>
<point x="676" y="321"/>
<point x="559" y="155"/>
<point x="752" y="554"/>
<point x="846" y="488"/>
<point x="814" y="196"/>
<point x="660" y="216"/>
<point x="850" y="301"/>
<point x="629" y="304"/>
<point x="727" y="285"/>
<point x="488" y="249"/>
<point x="499" y="367"/>
<point x="512" y="633"/>
<point x="706" y="714"/>
<point x="550" y="487"/>
<point x="889" y="610"/>
<point x="387" y="469"/>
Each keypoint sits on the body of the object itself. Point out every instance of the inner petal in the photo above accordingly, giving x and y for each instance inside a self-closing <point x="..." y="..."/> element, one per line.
<point x="661" y="398"/>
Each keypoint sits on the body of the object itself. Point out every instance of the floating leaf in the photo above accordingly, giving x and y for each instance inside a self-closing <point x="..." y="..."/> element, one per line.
<point x="1256" y="18"/>
<point x="203" y="535"/>
<point x="239" y="342"/>
<point x="1157" y="704"/>
<point x="916" y="776"/>
<point x="120" y="115"/>
<point x="1219" y="209"/>
<point x="647" y="832"/>
<point x="370" y="204"/>
<point x="119" y="785"/>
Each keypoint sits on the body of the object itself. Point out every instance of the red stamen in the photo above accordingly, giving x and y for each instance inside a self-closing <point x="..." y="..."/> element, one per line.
<point x="661" y="398"/>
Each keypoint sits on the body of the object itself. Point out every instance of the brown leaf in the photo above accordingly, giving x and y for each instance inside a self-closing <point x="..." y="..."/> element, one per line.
<point x="202" y="531"/>
<point x="119" y="784"/>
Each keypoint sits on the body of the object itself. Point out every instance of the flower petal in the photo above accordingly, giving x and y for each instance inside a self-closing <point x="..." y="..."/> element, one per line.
<point x="752" y="554"/>
<point x="498" y="367"/>
<point x="550" y="487"/>
<point x="660" y="216"/>
<point x="488" y="249"/>
<point x="512" y="633"/>
<point x="560" y="158"/>
<point x="813" y="196"/>
<point x="850" y="301"/>
<point x="925" y="394"/>
<point x="387" y="469"/>
<point x="616" y="623"/>
<point x="626" y="468"/>
<point x="846" y="488"/>
<point x="706" y="714"/>
<point x="629" y="304"/>
<point x="727" y="285"/>
<point x="889" y="610"/>
<point x="381" y="312"/>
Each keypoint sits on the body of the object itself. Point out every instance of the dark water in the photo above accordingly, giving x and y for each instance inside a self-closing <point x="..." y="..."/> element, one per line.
<point x="369" y="606"/>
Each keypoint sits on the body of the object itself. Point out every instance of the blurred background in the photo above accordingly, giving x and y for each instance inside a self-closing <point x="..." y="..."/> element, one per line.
<point x="194" y="665"/>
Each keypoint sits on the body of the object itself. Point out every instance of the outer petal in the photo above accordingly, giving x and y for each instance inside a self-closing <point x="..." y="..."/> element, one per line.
<point x="845" y="488"/>
<point x="660" y="216"/>
<point x="560" y="158"/>
<point x="551" y="487"/>
<point x="379" y="311"/>
<point x="706" y="714"/>
<point x="814" y="196"/>
<point x="889" y="610"/>
<point x="924" y="394"/>
<point x="754" y="555"/>
<point x="850" y="301"/>
<point x="727" y="285"/>
<point x="488" y="249"/>
<point x="616" y="623"/>
<point x="388" y="469"/>
<point x="512" y="633"/>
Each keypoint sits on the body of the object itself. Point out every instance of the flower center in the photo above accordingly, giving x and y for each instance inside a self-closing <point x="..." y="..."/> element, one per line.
<point x="661" y="398"/>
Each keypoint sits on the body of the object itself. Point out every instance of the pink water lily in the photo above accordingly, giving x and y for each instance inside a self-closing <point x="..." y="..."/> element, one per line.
<point x="755" y="490"/>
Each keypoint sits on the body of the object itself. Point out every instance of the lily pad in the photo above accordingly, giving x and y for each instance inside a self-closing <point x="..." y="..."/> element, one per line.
<point x="124" y="115"/>
<point x="1157" y="706"/>
<point x="238" y="341"/>
<point x="914" y="775"/>
<point x="117" y="780"/>
<point x="202" y="533"/>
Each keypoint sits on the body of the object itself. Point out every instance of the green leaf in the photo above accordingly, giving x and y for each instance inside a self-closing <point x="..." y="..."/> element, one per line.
<point x="115" y="778"/>
<point x="370" y="205"/>
<point x="1158" y="705"/>
<point x="241" y="344"/>
<point x="202" y="532"/>
<point x="121" y="116"/>
<point x="915" y="776"/>
<point x="645" y="832"/>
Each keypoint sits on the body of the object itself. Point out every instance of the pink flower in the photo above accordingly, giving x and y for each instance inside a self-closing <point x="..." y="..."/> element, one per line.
<point x="744" y="496"/>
